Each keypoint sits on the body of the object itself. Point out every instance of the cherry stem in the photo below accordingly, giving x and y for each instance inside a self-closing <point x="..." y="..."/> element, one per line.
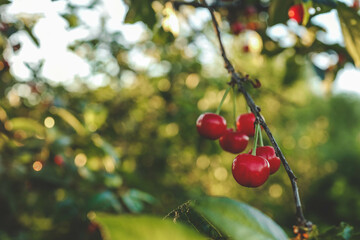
<point x="256" y="137"/>
<point x="234" y="107"/>
<point x="260" y="136"/>
<point x="222" y="100"/>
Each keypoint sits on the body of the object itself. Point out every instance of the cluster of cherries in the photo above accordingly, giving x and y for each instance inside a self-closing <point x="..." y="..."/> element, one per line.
<point x="249" y="169"/>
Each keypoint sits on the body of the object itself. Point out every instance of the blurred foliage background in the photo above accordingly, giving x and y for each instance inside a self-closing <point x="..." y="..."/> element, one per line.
<point x="131" y="146"/>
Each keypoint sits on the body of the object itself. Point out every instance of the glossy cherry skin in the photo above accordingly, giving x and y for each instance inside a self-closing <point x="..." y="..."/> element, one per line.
<point x="296" y="12"/>
<point x="268" y="153"/>
<point x="211" y="125"/>
<point x="250" y="171"/>
<point x="237" y="27"/>
<point x="245" y="124"/>
<point x="234" y="142"/>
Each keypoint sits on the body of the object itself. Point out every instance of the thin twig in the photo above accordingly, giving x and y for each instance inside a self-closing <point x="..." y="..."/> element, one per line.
<point x="216" y="4"/>
<point x="239" y="80"/>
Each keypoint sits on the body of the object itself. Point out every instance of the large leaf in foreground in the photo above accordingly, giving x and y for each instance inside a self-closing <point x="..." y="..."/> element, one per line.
<point x="130" y="227"/>
<point x="238" y="220"/>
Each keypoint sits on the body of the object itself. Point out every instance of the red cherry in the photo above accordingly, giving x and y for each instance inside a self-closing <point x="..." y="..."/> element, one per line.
<point x="342" y="58"/>
<point x="250" y="10"/>
<point x="4" y="65"/>
<point x="356" y="4"/>
<point x="58" y="160"/>
<point x="237" y="27"/>
<point x="250" y="171"/>
<point x="296" y="12"/>
<point x="268" y="153"/>
<point x="92" y="227"/>
<point x="252" y="26"/>
<point x="211" y="125"/>
<point x="245" y="124"/>
<point x="234" y="142"/>
<point x="246" y="49"/>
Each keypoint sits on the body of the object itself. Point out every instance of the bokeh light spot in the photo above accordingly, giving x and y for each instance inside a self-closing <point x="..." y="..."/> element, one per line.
<point x="289" y="142"/>
<point x="305" y="142"/>
<point x="220" y="174"/>
<point x="192" y="81"/>
<point x="60" y="194"/>
<point x="37" y="166"/>
<point x="80" y="160"/>
<point x="91" y="215"/>
<point x="109" y="164"/>
<point x="49" y="122"/>
<point x="171" y="129"/>
<point x="164" y="85"/>
<point x="275" y="190"/>
<point x="202" y="162"/>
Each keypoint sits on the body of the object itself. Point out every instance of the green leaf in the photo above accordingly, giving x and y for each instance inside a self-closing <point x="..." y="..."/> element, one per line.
<point x="105" y="201"/>
<point x="95" y="116"/>
<point x="330" y="3"/>
<point x="72" y="20"/>
<point x="238" y="220"/>
<point x="186" y="215"/>
<point x="134" y="199"/>
<point x="292" y="72"/>
<point x="28" y="125"/>
<point x="105" y="146"/>
<point x="143" y="227"/>
<point x="141" y="10"/>
<point x="342" y="232"/>
<point x="70" y="119"/>
<point x="350" y="21"/>
<point x="278" y="11"/>
<point x="306" y="5"/>
<point x="4" y="2"/>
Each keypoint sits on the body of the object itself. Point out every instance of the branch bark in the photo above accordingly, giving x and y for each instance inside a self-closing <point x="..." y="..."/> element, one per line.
<point x="239" y="80"/>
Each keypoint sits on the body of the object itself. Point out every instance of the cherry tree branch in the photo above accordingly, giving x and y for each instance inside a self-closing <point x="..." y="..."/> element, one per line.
<point x="238" y="79"/>
<point x="216" y="4"/>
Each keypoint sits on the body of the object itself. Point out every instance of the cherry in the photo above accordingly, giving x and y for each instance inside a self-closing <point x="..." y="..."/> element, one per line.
<point x="250" y="171"/>
<point x="342" y="58"/>
<point x="250" y="10"/>
<point x="245" y="124"/>
<point x="296" y="12"/>
<point x="58" y="160"/>
<point x="246" y="49"/>
<point x="92" y="227"/>
<point x="211" y="125"/>
<point x="237" y="27"/>
<point x="356" y="4"/>
<point x="4" y="65"/>
<point x="234" y="142"/>
<point x="252" y="26"/>
<point x="268" y="153"/>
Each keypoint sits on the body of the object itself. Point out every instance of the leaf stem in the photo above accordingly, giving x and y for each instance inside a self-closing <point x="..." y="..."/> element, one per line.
<point x="234" y="107"/>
